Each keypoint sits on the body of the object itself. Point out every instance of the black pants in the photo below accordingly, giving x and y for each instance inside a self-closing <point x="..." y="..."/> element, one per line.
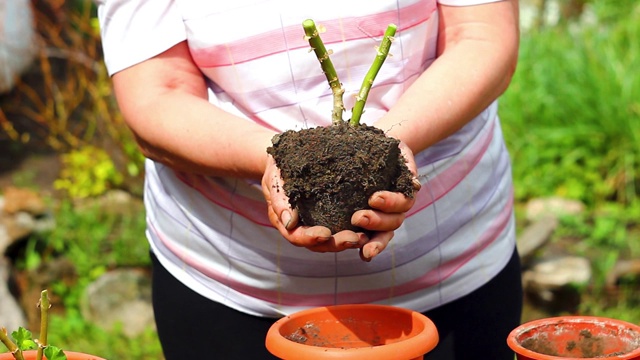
<point x="193" y="327"/>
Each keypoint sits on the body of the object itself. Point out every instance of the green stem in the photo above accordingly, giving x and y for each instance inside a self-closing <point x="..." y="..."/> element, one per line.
<point x="312" y="35"/>
<point x="381" y="56"/>
<point x="44" y="322"/>
<point x="13" y="348"/>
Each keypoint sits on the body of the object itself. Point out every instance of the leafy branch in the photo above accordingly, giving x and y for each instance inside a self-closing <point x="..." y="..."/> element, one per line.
<point x="24" y="339"/>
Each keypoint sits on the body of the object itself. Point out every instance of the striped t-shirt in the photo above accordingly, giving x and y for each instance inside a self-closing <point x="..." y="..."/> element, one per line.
<point x="213" y="234"/>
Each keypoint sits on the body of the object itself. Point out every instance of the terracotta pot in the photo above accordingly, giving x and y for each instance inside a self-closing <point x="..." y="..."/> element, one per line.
<point x="583" y="337"/>
<point x="372" y="332"/>
<point x="31" y="355"/>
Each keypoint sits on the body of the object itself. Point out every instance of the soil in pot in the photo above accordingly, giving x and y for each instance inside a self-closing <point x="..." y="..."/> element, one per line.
<point x="331" y="172"/>
<point x="352" y="332"/>
<point x="584" y="338"/>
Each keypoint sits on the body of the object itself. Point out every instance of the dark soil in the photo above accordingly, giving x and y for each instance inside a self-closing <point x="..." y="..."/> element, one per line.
<point x="330" y="172"/>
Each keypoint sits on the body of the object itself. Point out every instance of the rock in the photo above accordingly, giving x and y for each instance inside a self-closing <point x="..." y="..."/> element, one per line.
<point x="17" y="39"/>
<point x="116" y="202"/>
<point x="22" y="212"/>
<point x="120" y="297"/>
<point x="552" y="282"/>
<point x="553" y="206"/>
<point x="535" y="236"/>
<point x="11" y="315"/>
<point x="621" y="269"/>
<point x="22" y="200"/>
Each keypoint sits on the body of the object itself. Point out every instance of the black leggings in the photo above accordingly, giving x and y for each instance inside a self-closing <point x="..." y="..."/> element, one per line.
<point x="193" y="327"/>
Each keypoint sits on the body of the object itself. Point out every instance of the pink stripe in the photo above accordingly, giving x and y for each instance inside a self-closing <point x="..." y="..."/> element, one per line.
<point x="291" y="37"/>
<point x="255" y="211"/>
<point x="428" y="279"/>
<point x="452" y="176"/>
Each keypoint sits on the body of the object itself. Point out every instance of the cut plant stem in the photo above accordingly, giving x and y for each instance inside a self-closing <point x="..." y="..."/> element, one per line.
<point x="313" y="36"/>
<point x="44" y="322"/>
<point x="381" y="56"/>
<point x="13" y="348"/>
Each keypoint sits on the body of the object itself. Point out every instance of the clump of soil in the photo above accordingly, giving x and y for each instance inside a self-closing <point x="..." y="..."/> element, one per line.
<point x="330" y="172"/>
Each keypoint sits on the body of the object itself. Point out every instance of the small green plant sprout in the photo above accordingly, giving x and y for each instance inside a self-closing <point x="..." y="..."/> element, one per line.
<point x="23" y="339"/>
<point x="313" y="36"/>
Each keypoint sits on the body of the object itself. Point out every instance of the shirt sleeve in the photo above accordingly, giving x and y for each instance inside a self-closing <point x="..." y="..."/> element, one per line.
<point x="465" y="2"/>
<point x="133" y="31"/>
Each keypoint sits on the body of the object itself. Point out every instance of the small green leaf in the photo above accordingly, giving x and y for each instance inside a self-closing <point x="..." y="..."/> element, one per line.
<point x="54" y="353"/>
<point x="24" y="339"/>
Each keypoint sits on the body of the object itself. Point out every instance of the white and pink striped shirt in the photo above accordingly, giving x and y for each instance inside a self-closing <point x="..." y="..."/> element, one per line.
<point x="213" y="233"/>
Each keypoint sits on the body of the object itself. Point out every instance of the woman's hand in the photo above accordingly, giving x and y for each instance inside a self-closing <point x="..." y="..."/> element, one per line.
<point x="286" y="219"/>
<point x="386" y="215"/>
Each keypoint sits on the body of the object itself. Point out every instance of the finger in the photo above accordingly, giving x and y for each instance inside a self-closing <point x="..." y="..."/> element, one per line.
<point x="309" y="237"/>
<point x="376" y="245"/>
<point x="377" y="220"/>
<point x="341" y="241"/>
<point x="409" y="158"/>
<point x="391" y="202"/>
<point x="411" y="164"/>
<point x="289" y="218"/>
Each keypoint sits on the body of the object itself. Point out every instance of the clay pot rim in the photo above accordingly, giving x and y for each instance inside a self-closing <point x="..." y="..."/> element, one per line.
<point x="519" y="349"/>
<point x="406" y="348"/>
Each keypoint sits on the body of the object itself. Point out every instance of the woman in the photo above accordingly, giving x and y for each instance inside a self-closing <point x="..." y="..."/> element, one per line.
<point x="204" y="86"/>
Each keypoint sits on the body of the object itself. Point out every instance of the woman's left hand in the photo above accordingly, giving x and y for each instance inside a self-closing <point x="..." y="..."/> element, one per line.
<point x="387" y="212"/>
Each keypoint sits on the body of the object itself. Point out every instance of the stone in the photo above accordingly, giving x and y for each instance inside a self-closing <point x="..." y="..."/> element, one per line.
<point x="20" y="225"/>
<point x="553" y="282"/>
<point x="17" y="41"/>
<point x="115" y="202"/>
<point x="17" y="200"/>
<point x="120" y="297"/>
<point x="622" y="268"/>
<point x="535" y="236"/>
<point x="552" y="206"/>
<point x="11" y="314"/>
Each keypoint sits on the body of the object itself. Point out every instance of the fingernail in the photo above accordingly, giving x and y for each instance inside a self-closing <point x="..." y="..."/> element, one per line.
<point x="314" y="234"/>
<point x="352" y="244"/>
<point x="362" y="257"/>
<point x="373" y="253"/>
<point x="286" y="219"/>
<point x="362" y="238"/>
<point x="416" y="184"/>
<point x="377" y="202"/>
<point x="363" y="221"/>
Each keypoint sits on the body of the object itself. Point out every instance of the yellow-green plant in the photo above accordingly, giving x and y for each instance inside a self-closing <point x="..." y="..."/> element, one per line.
<point x="87" y="171"/>
<point x="66" y="102"/>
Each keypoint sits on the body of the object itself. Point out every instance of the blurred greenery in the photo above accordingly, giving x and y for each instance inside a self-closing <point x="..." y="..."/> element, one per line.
<point x="571" y="119"/>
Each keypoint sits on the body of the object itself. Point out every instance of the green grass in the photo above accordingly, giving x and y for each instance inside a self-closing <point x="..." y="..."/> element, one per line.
<point x="572" y="113"/>
<point x="95" y="241"/>
<point x="571" y="120"/>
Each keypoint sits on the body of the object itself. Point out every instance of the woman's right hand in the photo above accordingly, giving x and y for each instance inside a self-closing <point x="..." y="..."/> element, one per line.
<point x="286" y="219"/>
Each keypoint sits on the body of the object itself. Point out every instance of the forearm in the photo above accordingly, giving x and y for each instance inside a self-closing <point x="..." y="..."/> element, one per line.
<point x="164" y="102"/>
<point x="189" y="134"/>
<point x="475" y="66"/>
